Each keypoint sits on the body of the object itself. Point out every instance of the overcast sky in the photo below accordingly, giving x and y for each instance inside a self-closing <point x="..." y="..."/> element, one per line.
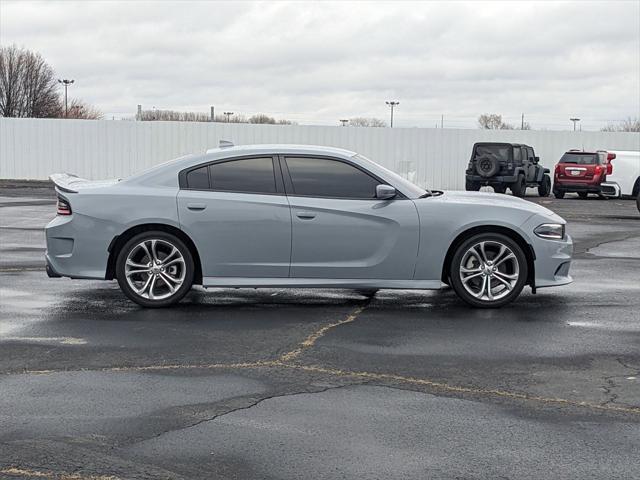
<point x="320" y="62"/>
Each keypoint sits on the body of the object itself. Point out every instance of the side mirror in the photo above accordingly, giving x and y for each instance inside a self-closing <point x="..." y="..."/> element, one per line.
<point x="537" y="159"/>
<point x="384" y="192"/>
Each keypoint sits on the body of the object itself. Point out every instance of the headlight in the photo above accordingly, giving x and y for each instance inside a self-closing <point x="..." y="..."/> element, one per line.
<point x="554" y="231"/>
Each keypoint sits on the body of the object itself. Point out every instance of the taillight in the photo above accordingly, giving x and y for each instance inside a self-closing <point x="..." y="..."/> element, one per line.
<point x="557" y="170"/>
<point x="63" y="208"/>
<point x="609" y="168"/>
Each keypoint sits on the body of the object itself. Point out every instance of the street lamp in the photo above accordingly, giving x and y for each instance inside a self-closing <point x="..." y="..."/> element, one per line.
<point x="228" y="115"/>
<point x="574" y="120"/>
<point x="66" y="84"/>
<point x="392" y="104"/>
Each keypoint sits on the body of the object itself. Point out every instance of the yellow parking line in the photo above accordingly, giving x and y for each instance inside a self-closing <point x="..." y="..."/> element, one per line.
<point x="23" y="472"/>
<point x="314" y="337"/>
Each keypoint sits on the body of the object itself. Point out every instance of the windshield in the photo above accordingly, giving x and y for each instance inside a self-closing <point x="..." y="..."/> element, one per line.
<point x="500" y="151"/>
<point x="411" y="189"/>
<point x="580" y="158"/>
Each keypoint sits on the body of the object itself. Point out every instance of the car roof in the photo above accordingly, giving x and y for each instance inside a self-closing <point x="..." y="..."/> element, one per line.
<point x="284" y="148"/>
<point x="501" y="143"/>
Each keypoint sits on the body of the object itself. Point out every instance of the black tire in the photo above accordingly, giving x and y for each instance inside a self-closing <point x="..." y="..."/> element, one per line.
<point x="583" y="195"/>
<point x="487" y="165"/>
<point x="164" y="242"/>
<point x="519" y="187"/>
<point x="499" y="188"/>
<point x="559" y="194"/>
<point x="638" y="202"/>
<point x="494" y="240"/>
<point x="471" y="186"/>
<point x="544" y="189"/>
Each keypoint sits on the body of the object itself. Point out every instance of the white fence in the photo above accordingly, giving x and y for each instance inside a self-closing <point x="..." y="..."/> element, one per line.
<point x="34" y="148"/>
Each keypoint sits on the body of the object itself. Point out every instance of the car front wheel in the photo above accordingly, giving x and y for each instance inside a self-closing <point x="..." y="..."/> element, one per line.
<point x="155" y="269"/>
<point x="488" y="270"/>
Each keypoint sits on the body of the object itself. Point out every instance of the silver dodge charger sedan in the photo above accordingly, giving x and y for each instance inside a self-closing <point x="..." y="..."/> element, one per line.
<point x="298" y="216"/>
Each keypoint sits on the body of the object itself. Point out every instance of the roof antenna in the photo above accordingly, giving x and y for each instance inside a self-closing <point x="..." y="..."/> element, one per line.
<point x="226" y="144"/>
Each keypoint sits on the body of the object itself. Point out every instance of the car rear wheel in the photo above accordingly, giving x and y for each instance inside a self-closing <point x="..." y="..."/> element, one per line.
<point x="558" y="193"/>
<point x="155" y="269"/>
<point x="488" y="270"/>
<point x="519" y="187"/>
<point x="544" y="189"/>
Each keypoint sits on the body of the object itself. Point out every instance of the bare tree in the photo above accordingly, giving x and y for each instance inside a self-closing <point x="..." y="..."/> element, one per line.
<point x="28" y="86"/>
<point x="80" y="110"/>
<point x="628" y="125"/>
<point x="174" y="116"/>
<point x="493" y="121"/>
<point x="262" y="118"/>
<point x="366" y="122"/>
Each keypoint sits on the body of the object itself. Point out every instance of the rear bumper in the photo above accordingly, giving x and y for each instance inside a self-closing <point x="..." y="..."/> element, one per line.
<point x="578" y="187"/>
<point x="491" y="180"/>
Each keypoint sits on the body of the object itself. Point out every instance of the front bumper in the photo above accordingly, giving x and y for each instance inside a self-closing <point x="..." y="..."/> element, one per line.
<point x="611" y="189"/>
<point x="553" y="261"/>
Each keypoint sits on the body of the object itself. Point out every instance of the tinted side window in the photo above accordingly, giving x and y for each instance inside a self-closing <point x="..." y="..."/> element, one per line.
<point x="198" y="179"/>
<point x="317" y="177"/>
<point x="516" y="154"/>
<point x="252" y="175"/>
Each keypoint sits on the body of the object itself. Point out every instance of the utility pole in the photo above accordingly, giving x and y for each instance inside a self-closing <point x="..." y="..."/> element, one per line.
<point x="522" y="122"/>
<point x="392" y="104"/>
<point x="441" y="121"/>
<point x="139" y="115"/>
<point x="66" y="84"/>
<point x="213" y="114"/>
<point x="344" y="122"/>
<point x="228" y="115"/>
<point x="575" y="120"/>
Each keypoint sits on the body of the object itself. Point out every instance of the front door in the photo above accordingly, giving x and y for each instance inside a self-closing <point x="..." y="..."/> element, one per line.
<point x="340" y="230"/>
<point x="237" y="214"/>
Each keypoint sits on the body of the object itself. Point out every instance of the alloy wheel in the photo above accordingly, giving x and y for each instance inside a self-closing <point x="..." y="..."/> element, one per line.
<point x="489" y="270"/>
<point x="155" y="269"/>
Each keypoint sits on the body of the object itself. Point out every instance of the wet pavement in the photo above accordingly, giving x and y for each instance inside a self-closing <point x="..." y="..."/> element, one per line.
<point x="289" y="384"/>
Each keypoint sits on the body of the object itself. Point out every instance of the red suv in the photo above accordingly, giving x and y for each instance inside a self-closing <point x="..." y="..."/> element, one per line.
<point x="582" y="172"/>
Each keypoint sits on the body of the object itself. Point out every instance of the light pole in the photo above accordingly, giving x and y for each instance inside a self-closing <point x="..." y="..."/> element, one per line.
<point x="228" y="115"/>
<point x="392" y="104"/>
<point x="574" y="120"/>
<point x="344" y="122"/>
<point x="66" y="84"/>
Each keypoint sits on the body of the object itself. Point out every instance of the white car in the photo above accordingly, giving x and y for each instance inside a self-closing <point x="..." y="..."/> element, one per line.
<point x="625" y="179"/>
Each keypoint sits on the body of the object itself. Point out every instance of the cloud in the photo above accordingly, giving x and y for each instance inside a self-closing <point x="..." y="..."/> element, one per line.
<point x="318" y="62"/>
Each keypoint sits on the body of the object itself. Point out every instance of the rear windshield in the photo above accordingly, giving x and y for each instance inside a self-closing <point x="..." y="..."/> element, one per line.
<point x="500" y="151"/>
<point x="580" y="158"/>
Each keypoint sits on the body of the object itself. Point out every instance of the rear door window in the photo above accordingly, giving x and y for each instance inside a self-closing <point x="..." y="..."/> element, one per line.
<point x="250" y="175"/>
<point x="517" y="157"/>
<point x="320" y="177"/>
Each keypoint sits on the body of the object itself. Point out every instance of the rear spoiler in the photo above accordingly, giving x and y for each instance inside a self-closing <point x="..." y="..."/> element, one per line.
<point x="65" y="181"/>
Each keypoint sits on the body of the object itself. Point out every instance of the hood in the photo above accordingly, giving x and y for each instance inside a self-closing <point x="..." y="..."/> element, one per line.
<point x="497" y="200"/>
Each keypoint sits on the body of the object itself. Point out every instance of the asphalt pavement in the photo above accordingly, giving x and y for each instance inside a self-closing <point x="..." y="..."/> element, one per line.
<point x="302" y="383"/>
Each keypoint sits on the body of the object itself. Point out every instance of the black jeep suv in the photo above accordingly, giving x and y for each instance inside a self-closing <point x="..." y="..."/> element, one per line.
<point x="507" y="165"/>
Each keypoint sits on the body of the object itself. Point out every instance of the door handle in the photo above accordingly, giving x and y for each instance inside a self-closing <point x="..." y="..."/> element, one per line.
<point x="196" y="206"/>
<point x="306" y="215"/>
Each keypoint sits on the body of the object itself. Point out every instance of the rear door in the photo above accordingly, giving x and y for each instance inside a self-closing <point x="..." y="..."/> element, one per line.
<point x="238" y="215"/>
<point x="340" y="230"/>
